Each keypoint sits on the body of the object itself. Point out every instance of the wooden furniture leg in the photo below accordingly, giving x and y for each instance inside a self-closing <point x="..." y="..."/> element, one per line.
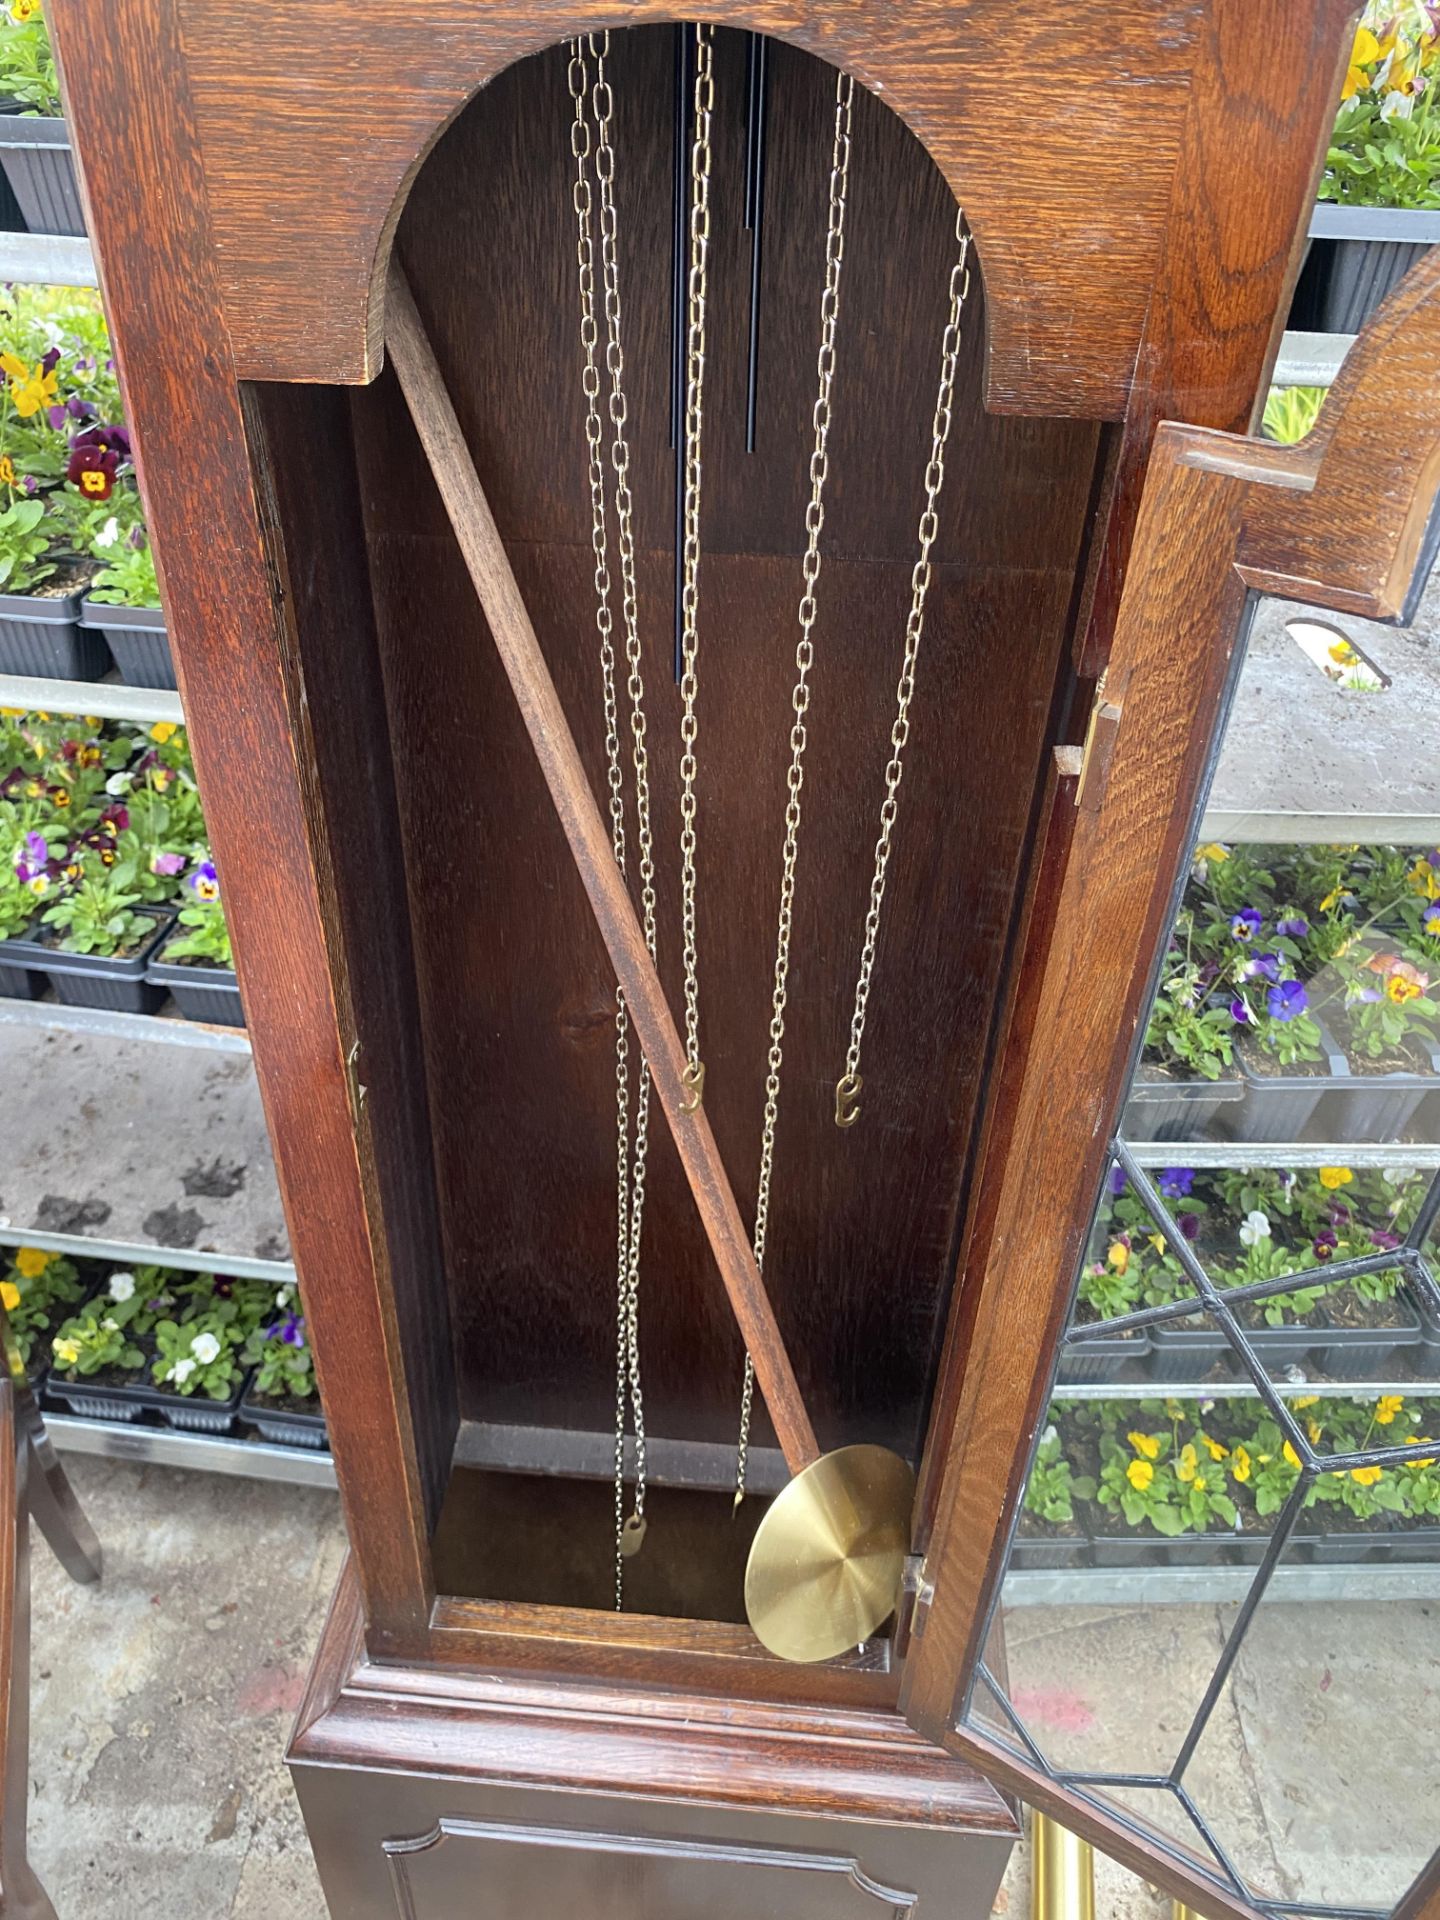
<point x="21" y="1895"/>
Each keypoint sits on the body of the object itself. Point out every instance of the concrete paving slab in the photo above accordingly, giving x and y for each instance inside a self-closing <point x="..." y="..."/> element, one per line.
<point x="122" y="1140"/>
<point x="162" y="1698"/>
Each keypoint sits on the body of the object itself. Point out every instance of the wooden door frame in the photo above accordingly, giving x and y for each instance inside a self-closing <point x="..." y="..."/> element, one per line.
<point x="1346" y="520"/>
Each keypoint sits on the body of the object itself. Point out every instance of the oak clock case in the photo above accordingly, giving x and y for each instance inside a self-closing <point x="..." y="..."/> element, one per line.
<point x="432" y="996"/>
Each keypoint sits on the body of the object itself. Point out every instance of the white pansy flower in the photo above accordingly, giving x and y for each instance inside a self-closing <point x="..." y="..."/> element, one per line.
<point x="205" y="1348"/>
<point x="117" y="784"/>
<point x="1255" y="1229"/>
<point x="109" y="533"/>
<point x="122" y="1286"/>
<point x="110" y="1326"/>
<point x="282" y="1298"/>
<point x="181" y="1371"/>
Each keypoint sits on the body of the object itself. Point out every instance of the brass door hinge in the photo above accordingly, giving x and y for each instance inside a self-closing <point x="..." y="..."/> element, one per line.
<point x="916" y="1593"/>
<point x="1098" y="750"/>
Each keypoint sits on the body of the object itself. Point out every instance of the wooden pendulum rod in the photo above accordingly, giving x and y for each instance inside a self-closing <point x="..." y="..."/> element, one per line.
<point x="489" y="567"/>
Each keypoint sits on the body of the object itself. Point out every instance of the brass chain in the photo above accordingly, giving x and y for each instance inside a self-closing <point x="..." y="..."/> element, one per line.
<point x="697" y="293"/>
<point x="630" y="1168"/>
<point x="800" y="702"/>
<point x="847" y="1090"/>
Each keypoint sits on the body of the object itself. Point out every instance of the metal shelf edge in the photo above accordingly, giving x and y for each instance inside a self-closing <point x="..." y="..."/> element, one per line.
<point x="202" y="1452"/>
<point x="1132" y="1587"/>
<point x="110" y="699"/>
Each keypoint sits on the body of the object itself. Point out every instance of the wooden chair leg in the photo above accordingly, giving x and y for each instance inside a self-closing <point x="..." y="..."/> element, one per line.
<point x="21" y="1895"/>
<point x="52" y="1502"/>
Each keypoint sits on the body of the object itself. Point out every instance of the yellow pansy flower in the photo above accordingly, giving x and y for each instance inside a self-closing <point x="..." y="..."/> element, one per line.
<point x="1119" y="1255"/>
<point x="1305" y="1400"/>
<point x="1418" y="1440"/>
<point x="1333" y="1177"/>
<point x="1291" y="1456"/>
<point x="32" y="1261"/>
<point x="1186" y="1463"/>
<point x="1140" y="1473"/>
<point x="67" y="1352"/>
<point x="31" y="388"/>
<point x="1424" y="878"/>
<point x="163" y="730"/>
<point x="1365" y="1476"/>
<point x="1214" y="1448"/>
<point x="1314" y="1429"/>
<point x="1364" y="53"/>
<point x="1240" y="1464"/>
<point x="9" y="1295"/>
<point x="1387" y="1408"/>
<point x="1147" y="1444"/>
<point x="1212" y="851"/>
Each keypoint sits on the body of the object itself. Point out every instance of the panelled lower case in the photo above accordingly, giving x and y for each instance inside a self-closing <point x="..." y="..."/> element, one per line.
<point x="430" y="994"/>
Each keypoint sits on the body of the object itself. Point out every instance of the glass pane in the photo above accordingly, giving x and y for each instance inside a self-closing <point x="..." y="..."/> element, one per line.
<point x="1218" y="1606"/>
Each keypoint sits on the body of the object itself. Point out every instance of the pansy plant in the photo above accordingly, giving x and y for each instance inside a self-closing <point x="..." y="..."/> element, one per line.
<point x="199" y="1355"/>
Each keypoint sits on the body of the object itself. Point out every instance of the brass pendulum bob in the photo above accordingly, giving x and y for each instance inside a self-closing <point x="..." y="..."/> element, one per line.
<point x="827" y="1560"/>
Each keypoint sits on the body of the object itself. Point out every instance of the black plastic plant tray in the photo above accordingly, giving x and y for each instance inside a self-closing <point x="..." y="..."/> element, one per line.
<point x="19" y="983"/>
<point x="1035" y="1554"/>
<point x="41" y="637"/>
<point x="93" y="979"/>
<point x="291" y="1426"/>
<point x="137" y="639"/>
<point x="35" y="152"/>
<point x="200" y="992"/>
<point x="1279" y="1106"/>
<point x="1369" y="1353"/>
<point x="1184" y="1352"/>
<point x="195" y="1414"/>
<point x="1162" y="1109"/>
<point x="1095" y="1361"/>
<point x="1353" y="1548"/>
<point x="1378" y="1106"/>
<point x="1424" y="1356"/>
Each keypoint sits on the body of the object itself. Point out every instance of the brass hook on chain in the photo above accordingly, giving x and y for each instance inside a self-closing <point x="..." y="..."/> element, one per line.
<point x="693" y="1081"/>
<point x="847" y="1098"/>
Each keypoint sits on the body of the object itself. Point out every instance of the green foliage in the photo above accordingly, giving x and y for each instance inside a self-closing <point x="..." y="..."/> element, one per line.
<point x="128" y="580"/>
<point x="206" y="936"/>
<point x="35" y="1285"/>
<point x="1291" y="412"/>
<point x="100" y="1335"/>
<point x="101" y="913"/>
<point x="1053" y="1486"/>
<point x="29" y="545"/>
<point x="200" y="1354"/>
<point x="27" y="66"/>
<point x="280" y="1353"/>
<point x="1379" y="161"/>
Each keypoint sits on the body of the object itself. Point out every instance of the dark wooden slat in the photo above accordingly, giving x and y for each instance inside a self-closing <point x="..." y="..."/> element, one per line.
<point x="559" y="758"/>
<point x="242" y="685"/>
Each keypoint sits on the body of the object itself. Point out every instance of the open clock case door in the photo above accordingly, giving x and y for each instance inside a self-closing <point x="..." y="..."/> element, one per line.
<point x="1347" y="521"/>
<point x="253" y="350"/>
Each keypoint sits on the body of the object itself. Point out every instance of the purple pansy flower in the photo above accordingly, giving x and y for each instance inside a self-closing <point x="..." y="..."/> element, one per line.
<point x="1246" y="923"/>
<point x="1367" y="996"/>
<point x="1240" y="1013"/>
<point x="35" y="860"/>
<point x="1324" y="1244"/>
<point x="167" y="863"/>
<point x="77" y="408"/>
<point x="1382" y="1238"/>
<point x="1189" y="1225"/>
<point x="1177" y="1182"/>
<point x="1431" y="922"/>
<point x="50" y="359"/>
<point x="1287" y="1001"/>
<point x="1263" y="966"/>
<point x="1117" y="1180"/>
<point x="1294" y="928"/>
<point x="203" y="882"/>
<point x="57" y="416"/>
